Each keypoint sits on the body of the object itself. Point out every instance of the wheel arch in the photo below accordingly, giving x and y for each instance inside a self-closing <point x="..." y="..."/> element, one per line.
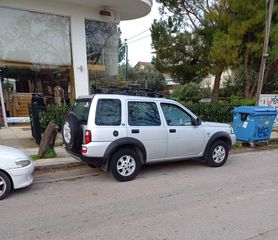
<point x="218" y="136"/>
<point x="131" y="143"/>
<point x="8" y="175"/>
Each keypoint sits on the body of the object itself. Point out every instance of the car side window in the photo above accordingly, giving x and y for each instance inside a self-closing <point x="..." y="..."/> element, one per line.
<point x="175" y="116"/>
<point x="108" y="112"/>
<point x="143" y="114"/>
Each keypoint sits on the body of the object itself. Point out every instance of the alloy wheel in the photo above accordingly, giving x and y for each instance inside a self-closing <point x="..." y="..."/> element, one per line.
<point x="219" y="154"/>
<point x="126" y="165"/>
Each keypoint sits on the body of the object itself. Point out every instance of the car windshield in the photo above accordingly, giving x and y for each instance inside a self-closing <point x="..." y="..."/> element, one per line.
<point x="81" y="109"/>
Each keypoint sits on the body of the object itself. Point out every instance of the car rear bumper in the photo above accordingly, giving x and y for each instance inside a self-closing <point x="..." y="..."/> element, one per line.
<point x="22" y="177"/>
<point x="96" y="161"/>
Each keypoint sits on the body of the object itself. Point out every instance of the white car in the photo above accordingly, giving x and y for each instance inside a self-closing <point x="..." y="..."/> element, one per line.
<point x="16" y="170"/>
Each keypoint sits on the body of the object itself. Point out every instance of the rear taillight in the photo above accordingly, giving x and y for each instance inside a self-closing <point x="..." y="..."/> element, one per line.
<point x="84" y="150"/>
<point x="88" y="136"/>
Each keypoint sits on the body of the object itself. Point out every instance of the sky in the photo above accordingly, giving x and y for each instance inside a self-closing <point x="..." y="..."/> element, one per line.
<point x="139" y="48"/>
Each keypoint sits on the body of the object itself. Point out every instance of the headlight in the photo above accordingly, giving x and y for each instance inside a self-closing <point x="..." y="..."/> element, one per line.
<point x="23" y="163"/>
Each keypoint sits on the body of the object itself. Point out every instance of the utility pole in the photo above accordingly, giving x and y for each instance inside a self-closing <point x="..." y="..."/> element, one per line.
<point x="126" y="60"/>
<point x="265" y="48"/>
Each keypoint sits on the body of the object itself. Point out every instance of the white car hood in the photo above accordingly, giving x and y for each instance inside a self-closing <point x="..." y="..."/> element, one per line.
<point x="215" y="124"/>
<point x="8" y="155"/>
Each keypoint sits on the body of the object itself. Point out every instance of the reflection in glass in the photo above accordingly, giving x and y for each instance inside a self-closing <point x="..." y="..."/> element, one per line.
<point x="35" y="57"/>
<point x="102" y="52"/>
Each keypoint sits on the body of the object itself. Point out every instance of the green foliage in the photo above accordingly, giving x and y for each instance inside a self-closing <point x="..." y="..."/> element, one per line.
<point x="238" y="145"/>
<point x="220" y="111"/>
<point x="54" y="113"/>
<point x="50" y="153"/>
<point x="190" y="91"/>
<point x="147" y="77"/>
<point x="195" y="37"/>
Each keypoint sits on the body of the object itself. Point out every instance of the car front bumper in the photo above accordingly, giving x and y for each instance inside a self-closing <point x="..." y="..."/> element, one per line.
<point x="22" y="177"/>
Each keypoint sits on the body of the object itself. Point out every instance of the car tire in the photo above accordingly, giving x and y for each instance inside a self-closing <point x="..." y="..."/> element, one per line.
<point x="5" y="185"/>
<point x="125" y="164"/>
<point x="217" y="154"/>
<point x="72" y="133"/>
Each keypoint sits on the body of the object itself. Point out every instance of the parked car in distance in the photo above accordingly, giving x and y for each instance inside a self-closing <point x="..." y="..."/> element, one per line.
<point x="119" y="133"/>
<point x="16" y="170"/>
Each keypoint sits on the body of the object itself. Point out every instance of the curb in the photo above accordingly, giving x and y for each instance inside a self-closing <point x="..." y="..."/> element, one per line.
<point x="58" y="165"/>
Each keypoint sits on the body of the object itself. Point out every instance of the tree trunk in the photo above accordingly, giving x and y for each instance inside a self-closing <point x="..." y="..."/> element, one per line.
<point x="216" y="86"/>
<point x="246" y="74"/>
<point x="48" y="138"/>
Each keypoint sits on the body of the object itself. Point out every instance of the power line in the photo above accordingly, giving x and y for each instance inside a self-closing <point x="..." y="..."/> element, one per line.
<point x="138" y="34"/>
<point x="136" y="40"/>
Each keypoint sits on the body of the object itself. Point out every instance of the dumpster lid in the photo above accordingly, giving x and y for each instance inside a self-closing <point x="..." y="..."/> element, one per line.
<point x="255" y="109"/>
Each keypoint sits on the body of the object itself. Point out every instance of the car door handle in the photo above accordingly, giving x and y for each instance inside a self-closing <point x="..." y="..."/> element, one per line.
<point x="172" y="130"/>
<point x="135" y="131"/>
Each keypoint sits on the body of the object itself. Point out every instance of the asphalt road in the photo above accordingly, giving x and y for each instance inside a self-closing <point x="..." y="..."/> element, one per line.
<point x="183" y="200"/>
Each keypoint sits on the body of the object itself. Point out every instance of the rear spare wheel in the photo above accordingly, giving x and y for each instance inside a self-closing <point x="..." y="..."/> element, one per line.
<point x="72" y="132"/>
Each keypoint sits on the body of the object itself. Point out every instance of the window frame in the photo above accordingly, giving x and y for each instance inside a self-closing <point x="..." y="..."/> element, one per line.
<point x="183" y="110"/>
<point x="146" y="102"/>
<point x="96" y="114"/>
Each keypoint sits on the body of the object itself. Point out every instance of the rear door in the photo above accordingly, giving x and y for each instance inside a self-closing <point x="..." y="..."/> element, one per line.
<point x="106" y="120"/>
<point x="144" y="123"/>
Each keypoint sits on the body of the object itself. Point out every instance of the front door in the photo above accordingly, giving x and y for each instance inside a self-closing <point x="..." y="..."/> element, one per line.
<point x="184" y="139"/>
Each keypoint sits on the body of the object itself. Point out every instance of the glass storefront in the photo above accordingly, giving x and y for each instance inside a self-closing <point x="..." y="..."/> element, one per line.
<point x="35" y="58"/>
<point x="102" y="53"/>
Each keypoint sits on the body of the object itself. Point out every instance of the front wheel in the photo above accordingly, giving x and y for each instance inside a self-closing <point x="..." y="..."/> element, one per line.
<point x="125" y="165"/>
<point x="5" y="185"/>
<point x="217" y="154"/>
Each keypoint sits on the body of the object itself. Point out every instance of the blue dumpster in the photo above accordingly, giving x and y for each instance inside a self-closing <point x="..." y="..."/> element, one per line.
<point x="253" y="123"/>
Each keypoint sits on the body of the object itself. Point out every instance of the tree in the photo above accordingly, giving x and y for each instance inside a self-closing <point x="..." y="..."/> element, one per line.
<point x="148" y="77"/>
<point x="199" y="26"/>
<point x="178" y="52"/>
<point x="229" y="33"/>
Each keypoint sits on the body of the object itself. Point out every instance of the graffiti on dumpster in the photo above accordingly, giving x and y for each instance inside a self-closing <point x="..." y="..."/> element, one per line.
<point x="261" y="132"/>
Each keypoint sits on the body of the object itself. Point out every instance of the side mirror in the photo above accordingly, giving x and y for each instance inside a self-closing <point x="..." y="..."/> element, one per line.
<point x="197" y="122"/>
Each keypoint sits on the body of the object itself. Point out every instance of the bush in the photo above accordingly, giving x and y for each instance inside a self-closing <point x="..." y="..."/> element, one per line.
<point x="55" y="114"/>
<point x="220" y="111"/>
<point x="50" y="153"/>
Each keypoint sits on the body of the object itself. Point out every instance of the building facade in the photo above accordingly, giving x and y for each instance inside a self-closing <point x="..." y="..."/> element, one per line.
<point x="59" y="49"/>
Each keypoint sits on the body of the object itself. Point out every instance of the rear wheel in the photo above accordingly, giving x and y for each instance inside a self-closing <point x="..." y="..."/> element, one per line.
<point x="5" y="185"/>
<point x="217" y="154"/>
<point x="125" y="165"/>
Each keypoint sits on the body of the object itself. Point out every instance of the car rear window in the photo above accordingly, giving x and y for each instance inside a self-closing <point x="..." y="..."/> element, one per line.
<point x="81" y="109"/>
<point x="108" y="112"/>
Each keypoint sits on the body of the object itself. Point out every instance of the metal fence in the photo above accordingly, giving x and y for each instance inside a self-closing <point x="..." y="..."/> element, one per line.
<point x="212" y="112"/>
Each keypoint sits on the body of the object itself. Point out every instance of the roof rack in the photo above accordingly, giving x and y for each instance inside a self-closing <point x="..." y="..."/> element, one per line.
<point x="146" y="92"/>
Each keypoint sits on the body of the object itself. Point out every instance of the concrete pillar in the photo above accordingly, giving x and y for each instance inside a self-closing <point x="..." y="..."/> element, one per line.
<point x="79" y="55"/>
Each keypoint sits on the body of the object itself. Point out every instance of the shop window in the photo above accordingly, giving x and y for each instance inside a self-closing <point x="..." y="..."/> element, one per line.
<point x="35" y="58"/>
<point x="102" y="53"/>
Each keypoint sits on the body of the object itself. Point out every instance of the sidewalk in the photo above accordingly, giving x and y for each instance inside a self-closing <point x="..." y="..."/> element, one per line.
<point x="21" y="137"/>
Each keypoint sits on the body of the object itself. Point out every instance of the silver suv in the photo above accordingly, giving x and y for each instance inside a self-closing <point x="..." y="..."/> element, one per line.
<point x="119" y="133"/>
